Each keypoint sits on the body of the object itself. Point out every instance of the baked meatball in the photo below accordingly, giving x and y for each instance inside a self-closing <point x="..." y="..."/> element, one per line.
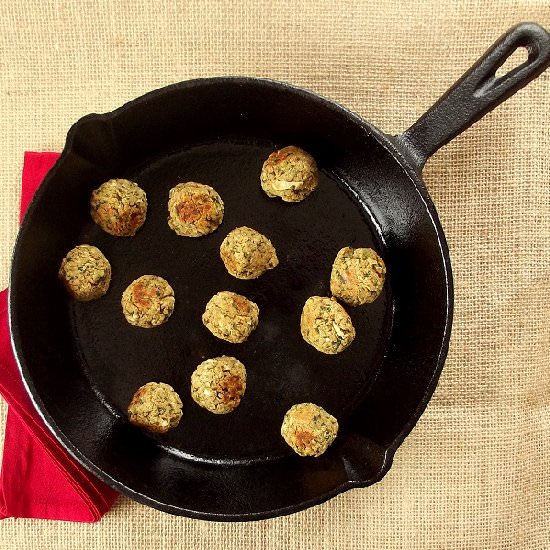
<point x="85" y="272"/>
<point x="194" y="209"/>
<point x="289" y="173"/>
<point x="230" y="316"/>
<point x="357" y="275"/>
<point x="308" y="429"/>
<point x="119" y="207"/>
<point x="218" y="384"/>
<point x="155" y="407"/>
<point x="326" y="325"/>
<point x="148" y="301"/>
<point x="247" y="254"/>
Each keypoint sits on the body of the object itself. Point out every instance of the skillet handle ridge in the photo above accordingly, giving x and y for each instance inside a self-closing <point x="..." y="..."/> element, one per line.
<point x="478" y="91"/>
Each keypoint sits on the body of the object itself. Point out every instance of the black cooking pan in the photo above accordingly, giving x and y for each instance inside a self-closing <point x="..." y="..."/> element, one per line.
<point x="82" y="362"/>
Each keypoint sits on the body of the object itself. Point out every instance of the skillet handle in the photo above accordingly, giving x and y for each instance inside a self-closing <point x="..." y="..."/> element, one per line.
<point x="478" y="91"/>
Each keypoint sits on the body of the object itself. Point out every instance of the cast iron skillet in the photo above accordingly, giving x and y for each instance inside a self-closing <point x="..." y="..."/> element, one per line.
<point x="82" y="362"/>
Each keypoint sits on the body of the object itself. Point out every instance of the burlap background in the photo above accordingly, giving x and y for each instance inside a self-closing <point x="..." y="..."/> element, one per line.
<point x="474" y="474"/>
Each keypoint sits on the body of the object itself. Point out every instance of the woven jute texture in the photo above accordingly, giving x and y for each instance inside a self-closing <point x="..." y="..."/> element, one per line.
<point x="474" y="473"/>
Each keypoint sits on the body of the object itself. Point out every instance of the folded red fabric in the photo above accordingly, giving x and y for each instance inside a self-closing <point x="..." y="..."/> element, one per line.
<point x="39" y="479"/>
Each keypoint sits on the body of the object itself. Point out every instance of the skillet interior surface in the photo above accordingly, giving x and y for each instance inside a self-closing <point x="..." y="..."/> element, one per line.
<point x="82" y="361"/>
<point x="281" y="368"/>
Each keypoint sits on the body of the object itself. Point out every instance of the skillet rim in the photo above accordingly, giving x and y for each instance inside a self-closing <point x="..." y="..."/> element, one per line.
<point x="401" y="153"/>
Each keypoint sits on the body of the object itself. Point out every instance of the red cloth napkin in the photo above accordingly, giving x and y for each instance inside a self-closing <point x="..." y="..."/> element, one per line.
<point x="38" y="478"/>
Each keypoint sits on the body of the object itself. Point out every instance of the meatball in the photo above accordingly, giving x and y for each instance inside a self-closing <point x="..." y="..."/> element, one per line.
<point x="289" y="173"/>
<point x="218" y="384"/>
<point x="357" y="275"/>
<point x="155" y="407"/>
<point x="247" y="254"/>
<point x="326" y="325"/>
<point x="148" y="301"/>
<point x="194" y="209"/>
<point x="119" y="207"/>
<point x="230" y="316"/>
<point x="309" y="429"/>
<point x="85" y="272"/>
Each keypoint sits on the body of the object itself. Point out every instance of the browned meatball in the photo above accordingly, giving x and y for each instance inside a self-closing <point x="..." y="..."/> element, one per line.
<point x="148" y="301"/>
<point x="308" y="429"/>
<point x="194" y="209"/>
<point x="218" y="384"/>
<point x="119" y="207"/>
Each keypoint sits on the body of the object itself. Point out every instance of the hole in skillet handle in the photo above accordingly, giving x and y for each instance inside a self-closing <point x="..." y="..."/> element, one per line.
<point x="519" y="57"/>
<point x="479" y="91"/>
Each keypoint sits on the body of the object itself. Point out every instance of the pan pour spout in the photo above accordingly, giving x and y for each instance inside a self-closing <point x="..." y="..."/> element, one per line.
<point x="479" y="91"/>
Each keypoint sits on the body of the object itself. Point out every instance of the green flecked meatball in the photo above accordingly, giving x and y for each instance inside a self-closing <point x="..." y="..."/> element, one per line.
<point x="326" y="325"/>
<point x="247" y="254"/>
<point x="357" y="275"/>
<point x="290" y="174"/>
<point x="85" y="272"/>
<point x="155" y="407"/>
